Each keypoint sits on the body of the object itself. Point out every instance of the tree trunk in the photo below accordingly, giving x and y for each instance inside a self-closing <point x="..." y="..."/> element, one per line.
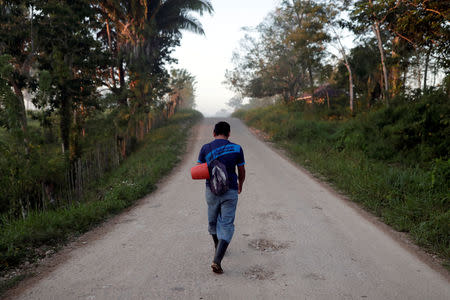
<point x="350" y="75"/>
<point x="66" y="105"/>
<point x="435" y="73"/>
<point x="328" y="99"/>
<point x="376" y="29"/>
<point x="427" y="62"/>
<point x="108" y="31"/>
<point x="65" y="120"/>
<point x="418" y="72"/>
<point x="311" y="82"/>
<point x="76" y="131"/>
<point x="395" y="68"/>
<point x="405" y="74"/>
<point x="122" y="98"/>
<point x="22" y="112"/>
<point x="350" y="84"/>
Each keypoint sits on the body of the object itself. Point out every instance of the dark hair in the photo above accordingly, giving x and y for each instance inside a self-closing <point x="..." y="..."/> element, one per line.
<point x="222" y="128"/>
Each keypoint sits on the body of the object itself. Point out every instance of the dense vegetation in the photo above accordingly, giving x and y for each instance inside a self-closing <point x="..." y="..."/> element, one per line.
<point x="371" y="115"/>
<point x="394" y="161"/>
<point x="301" y="52"/>
<point x="95" y="73"/>
<point x="134" y="178"/>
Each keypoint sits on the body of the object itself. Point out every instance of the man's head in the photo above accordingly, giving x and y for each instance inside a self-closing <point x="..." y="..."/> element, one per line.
<point x="222" y="128"/>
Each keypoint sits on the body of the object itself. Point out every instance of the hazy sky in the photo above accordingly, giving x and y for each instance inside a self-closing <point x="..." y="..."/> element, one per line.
<point x="207" y="57"/>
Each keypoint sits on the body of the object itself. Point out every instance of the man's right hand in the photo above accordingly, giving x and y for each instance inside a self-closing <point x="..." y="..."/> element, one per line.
<point x="241" y="178"/>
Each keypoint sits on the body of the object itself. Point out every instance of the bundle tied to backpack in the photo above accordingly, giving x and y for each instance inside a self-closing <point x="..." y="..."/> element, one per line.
<point x="218" y="177"/>
<point x="217" y="174"/>
<point x="200" y="171"/>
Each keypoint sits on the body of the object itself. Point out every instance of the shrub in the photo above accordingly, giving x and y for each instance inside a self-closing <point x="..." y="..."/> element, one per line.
<point x="393" y="160"/>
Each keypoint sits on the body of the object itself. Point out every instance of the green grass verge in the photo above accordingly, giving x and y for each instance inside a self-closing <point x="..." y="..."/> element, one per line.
<point x="133" y="179"/>
<point x="411" y="198"/>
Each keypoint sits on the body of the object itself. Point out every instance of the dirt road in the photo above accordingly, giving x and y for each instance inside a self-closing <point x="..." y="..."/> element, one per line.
<point x="294" y="239"/>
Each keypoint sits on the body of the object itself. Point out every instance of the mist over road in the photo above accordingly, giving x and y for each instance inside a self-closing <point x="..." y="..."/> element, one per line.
<point x="294" y="239"/>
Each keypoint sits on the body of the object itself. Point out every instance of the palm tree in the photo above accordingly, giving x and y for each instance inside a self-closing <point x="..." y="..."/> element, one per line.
<point x="173" y="15"/>
<point x="142" y="29"/>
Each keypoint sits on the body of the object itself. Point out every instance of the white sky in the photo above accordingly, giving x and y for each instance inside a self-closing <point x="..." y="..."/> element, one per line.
<point x="207" y="57"/>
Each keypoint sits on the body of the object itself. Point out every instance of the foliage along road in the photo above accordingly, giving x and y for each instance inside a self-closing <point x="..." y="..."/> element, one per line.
<point x="294" y="239"/>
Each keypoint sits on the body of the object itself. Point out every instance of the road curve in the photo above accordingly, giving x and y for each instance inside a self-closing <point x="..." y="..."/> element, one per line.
<point x="294" y="239"/>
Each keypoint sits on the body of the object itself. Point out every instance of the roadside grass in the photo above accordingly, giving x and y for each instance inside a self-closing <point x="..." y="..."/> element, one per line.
<point x="410" y="197"/>
<point x="24" y="172"/>
<point x="133" y="179"/>
<point x="9" y="283"/>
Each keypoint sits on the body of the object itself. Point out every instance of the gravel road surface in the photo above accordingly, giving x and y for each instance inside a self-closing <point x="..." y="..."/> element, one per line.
<point x="294" y="239"/>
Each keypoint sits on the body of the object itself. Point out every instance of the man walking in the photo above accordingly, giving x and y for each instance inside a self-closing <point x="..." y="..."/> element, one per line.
<point x="222" y="209"/>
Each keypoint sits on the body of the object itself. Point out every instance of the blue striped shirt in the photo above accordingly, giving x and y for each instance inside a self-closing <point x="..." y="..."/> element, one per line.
<point x="230" y="154"/>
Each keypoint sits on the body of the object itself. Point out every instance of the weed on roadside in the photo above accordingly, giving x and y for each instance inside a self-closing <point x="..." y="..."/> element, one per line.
<point x="133" y="179"/>
<point x="382" y="160"/>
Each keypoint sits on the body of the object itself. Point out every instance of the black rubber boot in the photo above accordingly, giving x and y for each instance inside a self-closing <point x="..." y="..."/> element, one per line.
<point x="216" y="241"/>
<point x="220" y="252"/>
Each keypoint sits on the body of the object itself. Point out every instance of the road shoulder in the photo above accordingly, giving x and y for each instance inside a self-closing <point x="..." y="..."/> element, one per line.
<point x="32" y="275"/>
<point x="402" y="238"/>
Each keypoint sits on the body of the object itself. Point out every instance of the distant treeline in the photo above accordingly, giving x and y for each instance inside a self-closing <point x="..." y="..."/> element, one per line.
<point x="300" y="52"/>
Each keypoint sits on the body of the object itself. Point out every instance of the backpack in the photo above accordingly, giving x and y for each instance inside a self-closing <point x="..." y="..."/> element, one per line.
<point x="218" y="177"/>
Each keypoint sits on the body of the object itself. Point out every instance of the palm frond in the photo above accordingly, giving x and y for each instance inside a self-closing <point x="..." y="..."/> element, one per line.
<point x="173" y="15"/>
<point x="181" y="22"/>
<point x="198" y="6"/>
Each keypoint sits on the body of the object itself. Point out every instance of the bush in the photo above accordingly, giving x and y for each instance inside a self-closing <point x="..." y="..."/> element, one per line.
<point x="407" y="133"/>
<point x="394" y="161"/>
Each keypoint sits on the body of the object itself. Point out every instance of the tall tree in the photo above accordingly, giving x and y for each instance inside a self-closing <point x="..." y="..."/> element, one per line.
<point x="182" y="85"/>
<point x="285" y="56"/>
<point x="349" y="69"/>
<point x="422" y="23"/>
<point x="69" y="59"/>
<point x="412" y="29"/>
<point x="267" y="64"/>
<point x="335" y="26"/>
<point x="306" y="20"/>
<point x="17" y="41"/>
<point x="370" y="14"/>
